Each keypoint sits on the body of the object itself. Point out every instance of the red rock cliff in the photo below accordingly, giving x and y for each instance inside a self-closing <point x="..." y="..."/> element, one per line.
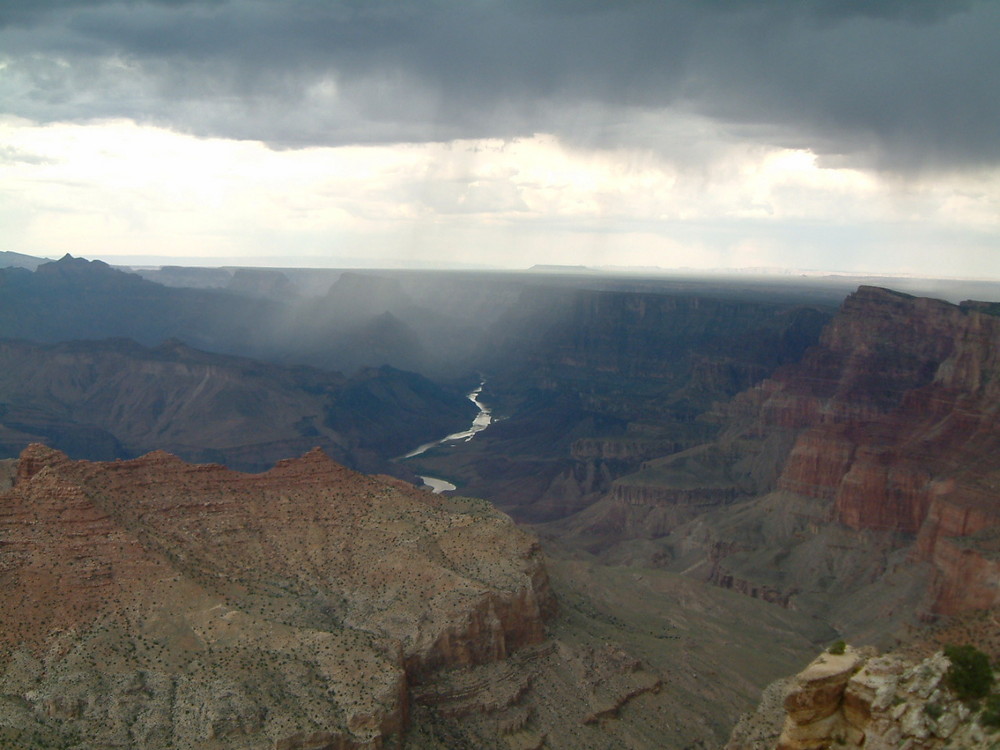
<point x="897" y="418"/>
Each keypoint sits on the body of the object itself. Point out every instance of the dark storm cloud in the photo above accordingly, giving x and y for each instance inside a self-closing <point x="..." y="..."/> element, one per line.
<point x="898" y="84"/>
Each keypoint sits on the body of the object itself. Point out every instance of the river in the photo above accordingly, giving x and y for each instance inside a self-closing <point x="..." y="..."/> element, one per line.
<point x="480" y="423"/>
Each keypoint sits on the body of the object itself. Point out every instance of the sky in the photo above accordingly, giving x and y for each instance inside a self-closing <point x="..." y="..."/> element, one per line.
<point x="833" y="135"/>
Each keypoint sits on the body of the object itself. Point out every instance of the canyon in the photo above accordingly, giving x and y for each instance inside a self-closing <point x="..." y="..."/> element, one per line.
<point x="872" y="459"/>
<point x="115" y="399"/>
<point x="709" y="483"/>
<point x="858" y="482"/>
<point x="858" y="485"/>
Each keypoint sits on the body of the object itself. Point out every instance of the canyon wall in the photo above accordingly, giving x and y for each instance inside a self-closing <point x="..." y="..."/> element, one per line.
<point x="897" y="408"/>
<point x="639" y="356"/>
<point x="591" y="383"/>
<point x="873" y="458"/>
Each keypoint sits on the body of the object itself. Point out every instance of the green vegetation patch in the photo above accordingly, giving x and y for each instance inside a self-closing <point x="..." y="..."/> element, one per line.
<point x="970" y="675"/>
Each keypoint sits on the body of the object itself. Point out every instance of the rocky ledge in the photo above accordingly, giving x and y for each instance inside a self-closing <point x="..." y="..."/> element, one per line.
<point x="861" y="700"/>
<point x="154" y="603"/>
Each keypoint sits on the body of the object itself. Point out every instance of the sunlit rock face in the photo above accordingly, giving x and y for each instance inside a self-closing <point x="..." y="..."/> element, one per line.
<point x="154" y="603"/>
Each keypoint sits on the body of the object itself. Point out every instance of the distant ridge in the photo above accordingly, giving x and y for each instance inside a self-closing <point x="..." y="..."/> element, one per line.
<point x="115" y="398"/>
<point x="550" y="268"/>
<point x="10" y="259"/>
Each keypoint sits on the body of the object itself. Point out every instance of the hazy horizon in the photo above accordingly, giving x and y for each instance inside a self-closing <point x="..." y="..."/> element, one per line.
<point x="361" y="264"/>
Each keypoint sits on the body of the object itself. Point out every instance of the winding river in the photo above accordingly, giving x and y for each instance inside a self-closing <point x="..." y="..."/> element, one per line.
<point x="480" y="423"/>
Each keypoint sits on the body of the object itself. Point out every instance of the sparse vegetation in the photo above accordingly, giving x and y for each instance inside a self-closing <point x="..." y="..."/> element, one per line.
<point x="837" y="648"/>
<point x="221" y="632"/>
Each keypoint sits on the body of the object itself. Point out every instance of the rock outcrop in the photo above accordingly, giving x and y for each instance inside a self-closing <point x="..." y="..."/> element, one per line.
<point x="813" y="703"/>
<point x="156" y="603"/>
<point x="863" y="701"/>
<point x="898" y="408"/>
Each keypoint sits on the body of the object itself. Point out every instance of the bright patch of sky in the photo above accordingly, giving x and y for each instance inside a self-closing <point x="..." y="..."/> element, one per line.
<point x="115" y="188"/>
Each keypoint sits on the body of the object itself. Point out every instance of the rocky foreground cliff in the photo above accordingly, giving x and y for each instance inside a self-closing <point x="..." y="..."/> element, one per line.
<point x="158" y="604"/>
<point x="153" y="603"/>
<point x="858" y="699"/>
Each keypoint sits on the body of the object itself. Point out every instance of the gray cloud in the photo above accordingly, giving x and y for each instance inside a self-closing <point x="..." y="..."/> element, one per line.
<point x="12" y="155"/>
<point x="901" y="85"/>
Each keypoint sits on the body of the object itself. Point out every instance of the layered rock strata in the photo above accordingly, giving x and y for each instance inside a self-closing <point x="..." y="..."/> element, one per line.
<point x="887" y="431"/>
<point x="902" y="432"/>
<point x="151" y="602"/>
